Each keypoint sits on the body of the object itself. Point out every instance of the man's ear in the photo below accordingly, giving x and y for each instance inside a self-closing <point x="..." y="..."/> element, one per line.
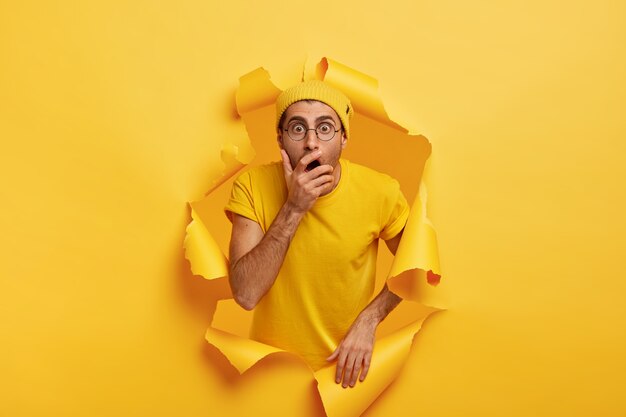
<point x="344" y="140"/>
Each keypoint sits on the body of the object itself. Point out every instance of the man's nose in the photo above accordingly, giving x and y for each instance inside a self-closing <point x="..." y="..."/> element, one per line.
<point x="311" y="140"/>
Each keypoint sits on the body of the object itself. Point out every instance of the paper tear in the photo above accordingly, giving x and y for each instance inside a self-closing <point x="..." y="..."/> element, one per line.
<point x="413" y="274"/>
<point x="201" y="250"/>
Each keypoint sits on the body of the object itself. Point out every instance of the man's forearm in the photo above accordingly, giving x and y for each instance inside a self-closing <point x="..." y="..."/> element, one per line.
<point x="379" y="307"/>
<point x="354" y="353"/>
<point x="252" y="275"/>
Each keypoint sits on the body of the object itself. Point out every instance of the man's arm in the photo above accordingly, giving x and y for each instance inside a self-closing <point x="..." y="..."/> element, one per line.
<point x="354" y="352"/>
<point x="393" y="243"/>
<point x="255" y="258"/>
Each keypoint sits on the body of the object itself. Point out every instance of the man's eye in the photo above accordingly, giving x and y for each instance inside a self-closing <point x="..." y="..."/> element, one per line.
<point x="297" y="128"/>
<point x="324" y="128"/>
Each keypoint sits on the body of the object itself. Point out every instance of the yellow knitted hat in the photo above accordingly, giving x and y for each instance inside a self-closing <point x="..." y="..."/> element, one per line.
<point x="319" y="91"/>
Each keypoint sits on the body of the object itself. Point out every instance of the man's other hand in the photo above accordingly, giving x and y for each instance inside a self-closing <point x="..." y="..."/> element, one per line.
<point x="354" y="353"/>
<point x="306" y="186"/>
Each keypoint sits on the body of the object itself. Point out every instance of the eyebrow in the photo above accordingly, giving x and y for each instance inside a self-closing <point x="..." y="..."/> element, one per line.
<point x="317" y="120"/>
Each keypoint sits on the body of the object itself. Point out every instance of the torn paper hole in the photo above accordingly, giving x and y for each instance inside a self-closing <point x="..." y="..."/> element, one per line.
<point x="413" y="273"/>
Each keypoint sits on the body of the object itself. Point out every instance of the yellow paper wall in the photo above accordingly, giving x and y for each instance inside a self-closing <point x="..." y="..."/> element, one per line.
<point x="112" y="115"/>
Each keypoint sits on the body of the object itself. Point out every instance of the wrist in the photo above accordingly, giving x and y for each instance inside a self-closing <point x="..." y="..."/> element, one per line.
<point x="287" y="221"/>
<point x="368" y="319"/>
<point x="293" y="211"/>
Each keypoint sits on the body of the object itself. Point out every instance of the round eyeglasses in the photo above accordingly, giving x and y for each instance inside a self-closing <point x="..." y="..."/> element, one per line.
<point x="324" y="131"/>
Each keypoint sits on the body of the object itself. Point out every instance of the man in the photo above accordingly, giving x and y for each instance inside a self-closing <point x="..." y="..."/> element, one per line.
<point x="305" y="237"/>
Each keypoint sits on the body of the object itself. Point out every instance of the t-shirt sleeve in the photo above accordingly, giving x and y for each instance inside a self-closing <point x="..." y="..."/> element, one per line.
<point x="241" y="199"/>
<point x="395" y="213"/>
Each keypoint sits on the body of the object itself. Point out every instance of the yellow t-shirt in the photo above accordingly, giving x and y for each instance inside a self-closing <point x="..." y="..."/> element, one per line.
<point x="328" y="274"/>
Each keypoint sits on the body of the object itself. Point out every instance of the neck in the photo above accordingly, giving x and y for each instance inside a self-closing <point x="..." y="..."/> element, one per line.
<point x="336" y="178"/>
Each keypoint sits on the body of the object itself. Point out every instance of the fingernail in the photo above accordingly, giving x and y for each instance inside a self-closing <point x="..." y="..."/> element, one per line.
<point x="337" y="380"/>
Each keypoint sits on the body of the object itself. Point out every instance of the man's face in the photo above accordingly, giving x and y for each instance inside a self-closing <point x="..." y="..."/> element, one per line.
<point x="310" y="115"/>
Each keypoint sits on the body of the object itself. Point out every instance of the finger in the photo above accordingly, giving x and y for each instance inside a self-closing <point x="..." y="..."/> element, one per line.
<point x="325" y="187"/>
<point x="340" y="365"/>
<point x="286" y="163"/>
<point x="366" y="366"/>
<point x="306" y="160"/>
<point x="347" y="372"/>
<point x="333" y="356"/>
<point x="358" y="363"/>
<point x="320" y="170"/>
<point x="320" y="181"/>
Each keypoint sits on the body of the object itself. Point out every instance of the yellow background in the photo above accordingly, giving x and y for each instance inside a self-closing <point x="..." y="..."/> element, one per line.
<point x="112" y="115"/>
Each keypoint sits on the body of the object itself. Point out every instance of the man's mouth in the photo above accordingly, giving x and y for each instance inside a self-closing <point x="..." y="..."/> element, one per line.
<point x="313" y="165"/>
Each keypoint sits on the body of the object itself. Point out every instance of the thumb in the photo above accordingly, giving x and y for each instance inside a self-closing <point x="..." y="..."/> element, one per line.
<point x="333" y="356"/>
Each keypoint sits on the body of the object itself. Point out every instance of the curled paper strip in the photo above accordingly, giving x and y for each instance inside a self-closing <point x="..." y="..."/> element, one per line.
<point x="414" y="273"/>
